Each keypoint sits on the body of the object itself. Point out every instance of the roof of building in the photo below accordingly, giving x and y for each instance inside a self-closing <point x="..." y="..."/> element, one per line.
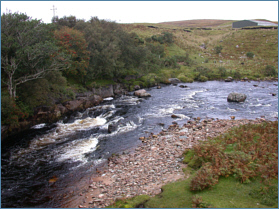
<point x="264" y="23"/>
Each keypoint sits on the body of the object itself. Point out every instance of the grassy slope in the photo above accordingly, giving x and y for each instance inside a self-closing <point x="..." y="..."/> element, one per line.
<point x="263" y="43"/>
<point x="198" y="23"/>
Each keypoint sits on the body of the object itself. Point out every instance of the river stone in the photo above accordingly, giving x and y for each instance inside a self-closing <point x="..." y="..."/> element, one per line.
<point x="236" y="97"/>
<point x="141" y="93"/>
<point x="174" y="80"/>
<point x="229" y="79"/>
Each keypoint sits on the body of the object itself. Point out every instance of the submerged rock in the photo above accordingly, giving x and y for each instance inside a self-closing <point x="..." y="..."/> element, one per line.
<point x="236" y="97"/>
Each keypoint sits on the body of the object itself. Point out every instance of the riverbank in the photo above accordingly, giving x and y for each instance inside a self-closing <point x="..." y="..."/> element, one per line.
<point x="153" y="164"/>
<point x="82" y="101"/>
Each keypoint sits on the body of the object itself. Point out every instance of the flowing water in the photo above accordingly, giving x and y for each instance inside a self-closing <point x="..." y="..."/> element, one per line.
<point x="42" y="166"/>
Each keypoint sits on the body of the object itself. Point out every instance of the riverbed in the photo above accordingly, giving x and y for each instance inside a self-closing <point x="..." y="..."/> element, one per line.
<point x="42" y="166"/>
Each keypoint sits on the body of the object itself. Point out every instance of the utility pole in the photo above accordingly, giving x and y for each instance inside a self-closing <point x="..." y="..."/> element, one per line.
<point x="53" y="11"/>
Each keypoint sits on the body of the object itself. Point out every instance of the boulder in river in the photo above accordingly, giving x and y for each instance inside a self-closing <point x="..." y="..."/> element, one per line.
<point x="112" y="128"/>
<point x="174" y="80"/>
<point x="142" y="93"/>
<point x="236" y="97"/>
<point x="229" y="79"/>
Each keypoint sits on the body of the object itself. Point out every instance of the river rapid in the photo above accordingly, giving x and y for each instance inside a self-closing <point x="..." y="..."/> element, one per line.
<point x="42" y="166"/>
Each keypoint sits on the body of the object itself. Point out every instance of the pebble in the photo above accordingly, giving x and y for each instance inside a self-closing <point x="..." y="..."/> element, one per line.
<point x="156" y="162"/>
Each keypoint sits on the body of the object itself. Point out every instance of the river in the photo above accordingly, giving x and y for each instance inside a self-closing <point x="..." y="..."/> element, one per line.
<point x="42" y="166"/>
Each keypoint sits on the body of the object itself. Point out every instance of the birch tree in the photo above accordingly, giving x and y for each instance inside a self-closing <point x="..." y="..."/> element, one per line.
<point x="28" y="51"/>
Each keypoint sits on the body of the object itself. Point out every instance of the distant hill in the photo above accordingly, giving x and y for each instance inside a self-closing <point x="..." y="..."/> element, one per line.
<point x="198" y="23"/>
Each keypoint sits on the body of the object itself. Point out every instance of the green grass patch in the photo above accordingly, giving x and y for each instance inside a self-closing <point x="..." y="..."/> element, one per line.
<point x="173" y="49"/>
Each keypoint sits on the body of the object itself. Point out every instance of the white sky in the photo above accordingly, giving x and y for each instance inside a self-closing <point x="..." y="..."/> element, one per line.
<point x="146" y="11"/>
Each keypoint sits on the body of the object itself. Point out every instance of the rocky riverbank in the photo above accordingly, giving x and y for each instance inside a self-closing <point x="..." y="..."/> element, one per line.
<point x="53" y="113"/>
<point x="156" y="162"/>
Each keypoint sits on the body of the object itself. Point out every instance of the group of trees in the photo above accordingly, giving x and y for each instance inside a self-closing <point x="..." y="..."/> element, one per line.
<point x="38" y="59"/>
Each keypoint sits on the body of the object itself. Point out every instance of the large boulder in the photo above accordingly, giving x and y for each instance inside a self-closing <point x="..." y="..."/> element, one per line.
<point x="141" y="93"/>
<point x="174" y="80"/>
<point x="236" y="97"/>
<point x="104" y="91"/>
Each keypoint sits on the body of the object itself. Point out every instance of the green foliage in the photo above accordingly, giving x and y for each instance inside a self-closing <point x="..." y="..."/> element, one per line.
<point x="202" y="78"/>
<point x="187" y="61"/>
<point x="170" y="62"/>
<point x="148" y="80"/>
<point x="28" y="51"/>
<point x="237" y="75"/>
<point x="134" y="202"/>
<point x="65" y="21"/>
<point x="218" y="49"/>
<point x="73" y="43"/>
<point x="11" y="112"/>
<point x="203" y="71"/>
<point x="197" y="202"/>
<point x="222" y="71"/>
<point x="270" y="70"/>
<point x="166" y="37"/>
<point x="268" y="195"/>
<point x="256" y="156"/>
<point x="250" y="54"/>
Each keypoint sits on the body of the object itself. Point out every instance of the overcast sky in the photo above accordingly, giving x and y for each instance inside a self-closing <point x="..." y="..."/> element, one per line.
<point x="146" y="11"/>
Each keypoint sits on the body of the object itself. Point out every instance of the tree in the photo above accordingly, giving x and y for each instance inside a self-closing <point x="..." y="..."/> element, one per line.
<point x="28" y="51"/>
<point x="73" y="43"/>
<point x="69" y="21"/>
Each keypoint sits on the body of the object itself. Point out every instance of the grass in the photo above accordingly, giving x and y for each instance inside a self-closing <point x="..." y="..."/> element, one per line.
<point x="262" y="43"/>
<point x="244" y="161"/>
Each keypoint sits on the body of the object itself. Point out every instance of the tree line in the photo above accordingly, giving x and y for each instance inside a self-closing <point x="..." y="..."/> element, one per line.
<point x="40" y="62"/>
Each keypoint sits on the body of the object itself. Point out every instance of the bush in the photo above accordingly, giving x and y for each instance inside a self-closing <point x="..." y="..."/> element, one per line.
<point x="222" y="71"/>
<point x="237" y="75"/>
<point x="270" y="71"/>
<point x="170" y="62"/>
<point x="250" y="54"/>
<point x="205" y="177"/>
<point x="229" y="154"/>
<point x="168" y="37"/>
<point x="203" y="71"/>
<point x="202" y="78"/>
<point x="11" y="112"/>
<point x="182" y="77"/>
<point x="218" y="49"/>
<point x="185" y="59"/>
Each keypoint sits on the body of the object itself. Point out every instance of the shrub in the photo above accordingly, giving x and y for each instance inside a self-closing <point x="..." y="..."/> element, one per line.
<point x="222" y="71"/>
<point x="185" y="59"/>
<point x="218" y="49"/>
<point x="203" y="71"/>
<point x="250" y="54"/>
<point x="205" y="177"/>
<point x="246" y="152"/>
<point x="270" y="71"/>
<point x="168" y="37"/>
<point x="237" y="75"/>
<point x="197" y="202"/>
<point x="170" y="62"/>
<point x="182" y="77"/>
<point x="11" y="112"/>
<point x="202" y="78"/>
